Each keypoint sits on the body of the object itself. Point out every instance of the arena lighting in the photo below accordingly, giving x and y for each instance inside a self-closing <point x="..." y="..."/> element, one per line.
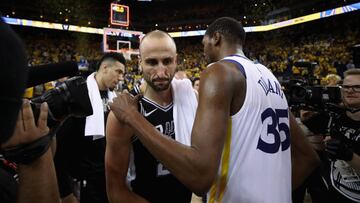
<point x="263" y="28"/>
<point x="294" y="21"/>
<point x="56" y="26"/>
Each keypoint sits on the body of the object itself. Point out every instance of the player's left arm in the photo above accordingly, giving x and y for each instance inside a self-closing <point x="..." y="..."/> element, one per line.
<point x="303" y="157"/>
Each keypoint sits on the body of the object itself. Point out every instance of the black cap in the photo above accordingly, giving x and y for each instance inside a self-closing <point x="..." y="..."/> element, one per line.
<point x="13" y="76"/>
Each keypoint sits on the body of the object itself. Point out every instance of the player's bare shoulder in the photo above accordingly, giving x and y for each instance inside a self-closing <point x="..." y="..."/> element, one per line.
<point x="219" y="69"/>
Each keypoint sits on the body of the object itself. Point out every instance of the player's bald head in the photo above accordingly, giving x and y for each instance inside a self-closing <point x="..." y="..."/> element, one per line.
<point x="157" y="36"/>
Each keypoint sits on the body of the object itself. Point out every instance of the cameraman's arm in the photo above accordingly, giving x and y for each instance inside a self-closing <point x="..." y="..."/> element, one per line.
<point x="118" y="146"/>
<point x="304" y="158"/>
<point x="37" y="180"/>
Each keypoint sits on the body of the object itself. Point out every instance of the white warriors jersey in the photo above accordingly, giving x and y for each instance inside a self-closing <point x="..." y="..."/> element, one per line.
<point x="256" y="162"/>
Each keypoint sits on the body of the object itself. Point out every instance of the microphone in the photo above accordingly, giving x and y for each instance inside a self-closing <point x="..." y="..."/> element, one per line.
<point x="49" y="72"/>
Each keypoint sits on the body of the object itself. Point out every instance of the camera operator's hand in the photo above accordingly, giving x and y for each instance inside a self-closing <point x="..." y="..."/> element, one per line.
<point x="336" y="149"/>
<point x="26" y="130"/>
<point x="39" y="175"/>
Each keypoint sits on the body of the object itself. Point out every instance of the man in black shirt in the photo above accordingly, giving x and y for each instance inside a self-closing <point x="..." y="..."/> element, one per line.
<point x="337" y="180"/>
<point x="343" y="149"/>
<point x="81" y="141"/>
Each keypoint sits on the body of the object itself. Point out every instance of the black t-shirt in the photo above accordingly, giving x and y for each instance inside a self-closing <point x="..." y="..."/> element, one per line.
<point x="326" y="184"/>
<point x="153" y="181"/>
<point x="350" y="130"/>
<point x="340" y="176"/>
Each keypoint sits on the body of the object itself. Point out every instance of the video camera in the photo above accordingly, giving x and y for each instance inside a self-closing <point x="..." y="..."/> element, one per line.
<point x="307" y="93"/>
<point x="302" y="95"/>
<point x="68" y="99"/>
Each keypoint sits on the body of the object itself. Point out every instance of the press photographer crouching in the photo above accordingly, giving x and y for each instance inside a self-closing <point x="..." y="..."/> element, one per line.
<point x="334" y="130"/>
<point x="27" y="172"/>
<point x="70" y="99"/>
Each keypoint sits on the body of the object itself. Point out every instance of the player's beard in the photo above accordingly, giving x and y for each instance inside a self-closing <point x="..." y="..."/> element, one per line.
<point x="161" y="86"/>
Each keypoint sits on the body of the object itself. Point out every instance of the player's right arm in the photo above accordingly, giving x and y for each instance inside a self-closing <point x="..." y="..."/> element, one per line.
<point x="118" y="146"/>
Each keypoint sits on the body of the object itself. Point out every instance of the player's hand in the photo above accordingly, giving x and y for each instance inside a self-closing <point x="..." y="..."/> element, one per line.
<point x="336" y="149"/>
<point x="26" y="130"/>
<point x="124" y="106"/>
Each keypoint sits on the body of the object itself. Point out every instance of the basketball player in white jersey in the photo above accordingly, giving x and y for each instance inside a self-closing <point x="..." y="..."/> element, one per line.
<point x="246" y="146"/>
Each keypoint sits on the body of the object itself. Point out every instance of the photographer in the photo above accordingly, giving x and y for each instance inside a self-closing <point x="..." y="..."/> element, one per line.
<point x="81" y="141"/>
<point x="337" y="180"/>
<point x="37" y="180"/>
<point x="343" y="148"/>
<point x="336" y="114"/>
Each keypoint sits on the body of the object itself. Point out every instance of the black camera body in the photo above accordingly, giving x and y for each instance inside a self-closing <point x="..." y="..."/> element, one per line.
<point x="325" y="101"/>
<point x="313" y="96"/>
<point x="305" y="93"/>
<point x="68" y="99"/>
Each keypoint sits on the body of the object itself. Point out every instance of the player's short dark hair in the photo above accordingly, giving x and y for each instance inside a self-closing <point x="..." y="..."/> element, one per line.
<point x="231" y="29"/>
<point x="114" y="56"/>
